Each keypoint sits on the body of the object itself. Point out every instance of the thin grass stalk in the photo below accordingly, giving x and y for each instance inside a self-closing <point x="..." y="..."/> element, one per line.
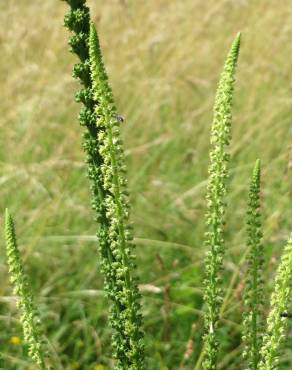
<point x="277" y="321"/>
<point x="1" y="362"/>
<point x="128" y="320"/>
<point x="29" y="314"/>
<point x="254" y="285"/>
<point x="216" y="192"/>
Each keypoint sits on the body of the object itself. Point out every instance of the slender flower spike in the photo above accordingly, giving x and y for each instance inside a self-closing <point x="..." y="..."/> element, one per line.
<point x="78" y="21"/>
<point x="216" y="191"/>
<point x="29" y="314"/>
<point x="254" y="286"/>
<point x="115" y="262"/>
<point x="277" y="321"/>
<point x="126" y="320"/>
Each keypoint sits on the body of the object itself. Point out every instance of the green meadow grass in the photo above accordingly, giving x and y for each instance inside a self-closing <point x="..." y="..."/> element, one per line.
<point x="164" y="59"/>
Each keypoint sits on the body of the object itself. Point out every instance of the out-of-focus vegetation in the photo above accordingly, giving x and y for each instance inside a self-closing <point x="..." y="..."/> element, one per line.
<point x="164" y="59"/>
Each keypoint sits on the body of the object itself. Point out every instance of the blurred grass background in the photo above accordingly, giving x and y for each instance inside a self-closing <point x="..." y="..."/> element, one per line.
<point x="164" y="58"/>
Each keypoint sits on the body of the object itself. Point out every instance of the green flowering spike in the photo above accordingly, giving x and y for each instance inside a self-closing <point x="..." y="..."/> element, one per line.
<point x="78" y="21"/>
<point x="118" y="282"/>
<point x="128" y="337"/>
<point x="277" y="319"/>
<point x="254" y="285"/>
<point x="29" y="314"/>
<point x="216" y="191"/>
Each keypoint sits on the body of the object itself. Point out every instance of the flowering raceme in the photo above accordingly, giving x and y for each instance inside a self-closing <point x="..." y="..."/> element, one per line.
<point x="106" y="170"/>
<point x="254" y="286"/>
<point x="22" y="289"/>
<point x="216" y="191"/>
<point x="277" y="320"/>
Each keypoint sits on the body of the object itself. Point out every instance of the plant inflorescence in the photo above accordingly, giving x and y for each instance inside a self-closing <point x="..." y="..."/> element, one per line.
<point x="106" y="169"/>
<point x="22" y="289"/>
<point x="254" y="285"/>
<point x="216" y="191"/>
<point x="277" y="322"/>
<point x="110" y="200"/>
<point x="126" y="318"/>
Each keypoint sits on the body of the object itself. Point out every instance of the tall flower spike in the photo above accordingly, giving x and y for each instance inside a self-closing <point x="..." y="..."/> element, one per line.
<point x="29" y="314"/>
<point x="128" y="340"/>
<point x="216" y="191"/>
<point x="254" y="285"/>
<point x="78" y="21"/>
<point x="277" y="321"/>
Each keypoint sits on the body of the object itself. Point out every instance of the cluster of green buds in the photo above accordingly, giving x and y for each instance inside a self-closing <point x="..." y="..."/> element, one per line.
<point x="277" y="321"/>
<point x="216" y="191"/>
<point x="254" y="285"/>
<point x="127" y="320"/>
<point x="106" y="169"/>
<point x="78" y="22"/>
<point x="29" y="314"/>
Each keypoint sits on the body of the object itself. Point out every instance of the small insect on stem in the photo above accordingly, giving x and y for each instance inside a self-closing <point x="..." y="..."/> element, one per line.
<point x="120" y="118"/>
<point x="286" y="314"/>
